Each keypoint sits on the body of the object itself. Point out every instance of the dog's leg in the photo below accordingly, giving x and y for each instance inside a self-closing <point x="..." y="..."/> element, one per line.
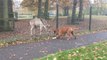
<point x="68" y="35"/>
<point x="73" y="34"/>
<point x="59" y="35"/>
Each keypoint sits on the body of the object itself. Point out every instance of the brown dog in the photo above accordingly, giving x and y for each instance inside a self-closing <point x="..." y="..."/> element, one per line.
<point x="65" y="30"/>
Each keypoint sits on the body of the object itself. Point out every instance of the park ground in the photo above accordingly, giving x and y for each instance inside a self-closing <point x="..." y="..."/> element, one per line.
<point x="22" y="27"/>
<point x="22" y="32"/>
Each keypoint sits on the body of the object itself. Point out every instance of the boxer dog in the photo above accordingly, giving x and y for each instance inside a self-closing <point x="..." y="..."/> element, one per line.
<point x="65" y="30"/>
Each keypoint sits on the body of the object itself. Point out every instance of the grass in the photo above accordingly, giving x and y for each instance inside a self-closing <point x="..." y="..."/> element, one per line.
<point x="4" y="43"/>
<point x="97" y="51"/>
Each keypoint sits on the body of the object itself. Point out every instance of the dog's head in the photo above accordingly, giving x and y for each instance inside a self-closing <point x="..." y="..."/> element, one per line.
<point x="55" y="31"/>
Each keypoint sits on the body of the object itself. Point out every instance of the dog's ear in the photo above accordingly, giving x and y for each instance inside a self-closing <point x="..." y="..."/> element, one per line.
<point x="54" y="31"/>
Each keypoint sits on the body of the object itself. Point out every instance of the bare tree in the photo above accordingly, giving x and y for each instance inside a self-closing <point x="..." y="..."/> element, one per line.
<point x="74" y="12"/>
<point x="40" y="8"/>
<point x="80" y="10"/>
<point x="46" y="15"/>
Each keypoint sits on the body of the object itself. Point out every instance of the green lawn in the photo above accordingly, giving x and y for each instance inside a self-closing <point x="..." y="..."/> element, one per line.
<point x="97" y="51"/>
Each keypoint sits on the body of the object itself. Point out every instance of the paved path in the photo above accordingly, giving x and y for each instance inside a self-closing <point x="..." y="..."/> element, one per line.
<point x="36" y="50"/>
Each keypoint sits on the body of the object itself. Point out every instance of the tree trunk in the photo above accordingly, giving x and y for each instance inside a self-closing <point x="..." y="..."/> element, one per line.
<point x="66" y="10"/>
<point x="74" y="12"/>
<point x="46" y="15"/>
<point x="39" y="8"/>
<point x="80" y="10"/>
<point x="6" y="23"/>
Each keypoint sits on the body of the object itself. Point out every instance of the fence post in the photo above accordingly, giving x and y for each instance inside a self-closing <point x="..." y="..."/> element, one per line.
<point x="57" y="11"/>
<point x="90" y="18"/>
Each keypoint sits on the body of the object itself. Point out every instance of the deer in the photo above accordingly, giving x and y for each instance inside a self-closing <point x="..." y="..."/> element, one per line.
<point x="38" y="22"/>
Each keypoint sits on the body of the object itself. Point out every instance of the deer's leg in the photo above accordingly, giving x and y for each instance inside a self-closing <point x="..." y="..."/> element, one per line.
<point x="40" y="29"/>
<point x="31" y="30"/>
<point x="45" y="27"/>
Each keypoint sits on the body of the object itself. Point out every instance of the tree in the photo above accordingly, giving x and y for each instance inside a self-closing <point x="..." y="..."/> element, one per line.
<point x="64" y="4"/>
<point x="66" y="7"/>
<point x="36" y="5"/>
<point x="74" y="12"/>
<point x="40" y="9"/>
<point x="46" y="14"/>
<point x="80" y="10"/>
<point x="30" y="4"/>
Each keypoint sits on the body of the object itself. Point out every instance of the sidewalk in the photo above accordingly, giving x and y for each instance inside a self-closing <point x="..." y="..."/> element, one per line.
<point x="37" y="50"/>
